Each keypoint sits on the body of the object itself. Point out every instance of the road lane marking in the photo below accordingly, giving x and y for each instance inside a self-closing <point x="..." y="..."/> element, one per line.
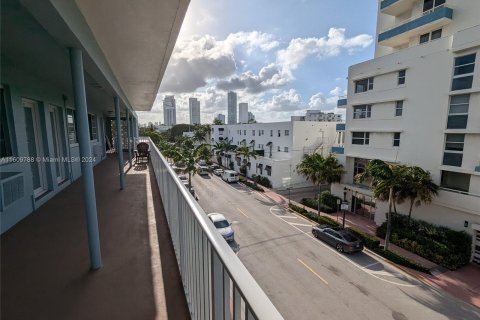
<point x="278" y="209"/>
<point x="242" y="212"/>
<point x="300" y="224"/>
<point x="290" y="217"/>
<point x="346" y="259"/>
<point x="312" y="271"/>
<point x="371" y="264"/>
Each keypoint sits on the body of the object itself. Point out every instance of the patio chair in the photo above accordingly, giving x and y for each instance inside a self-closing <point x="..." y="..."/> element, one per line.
<point x="142" y="152"/>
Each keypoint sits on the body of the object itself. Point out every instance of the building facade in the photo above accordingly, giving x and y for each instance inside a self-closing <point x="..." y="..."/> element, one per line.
<point x="280" y="146"/>
<point x="221" y="117"/>
<point x="243" y="112"/>
<point x="169" y="111"/>
<point x="232" y="107"/>
<point x="194" y="110"/>
<point x="417" y="103"/>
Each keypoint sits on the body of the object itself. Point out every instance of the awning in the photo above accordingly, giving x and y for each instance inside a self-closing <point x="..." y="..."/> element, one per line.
<point x="269" y="144"/>
<point x="252" y="142"/>
<point x="243" y="141"/>
<point x="260" y="165"/>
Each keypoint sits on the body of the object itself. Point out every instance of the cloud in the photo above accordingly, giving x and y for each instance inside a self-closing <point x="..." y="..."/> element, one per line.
<point x="198" y="60"/>
<point x="330" y="46"/>
<point x="269" y="77"/>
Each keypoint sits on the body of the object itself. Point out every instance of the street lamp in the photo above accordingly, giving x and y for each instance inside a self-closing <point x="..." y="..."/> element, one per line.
<point x="338" y="206"/>
<point x="344" y="205"/>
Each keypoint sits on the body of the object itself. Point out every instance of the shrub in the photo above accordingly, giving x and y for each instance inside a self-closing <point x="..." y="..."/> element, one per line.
<point x="369" y="241"/>
<point x="315" y="217"/>
<point x="441" y="245"/>
<point x="401" y="260"/>
<point x="249" y="184"/>
<point x="264" y="181"/>
<point x="313" y="203"/>
<point x="329" y="200"/>
<point x="297" y="209"/>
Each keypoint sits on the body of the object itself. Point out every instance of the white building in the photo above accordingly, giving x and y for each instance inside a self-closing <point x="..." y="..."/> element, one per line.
<point x="318" y="115"/>
<point x="417" y="102"/>
<point x="221" y="117"/>
<point x="169" y="111"/>
<point x="232" y="107"/>
<point x="281" y="147"/>
<point x="243" y="112"/>
<point x="251" y="117"/>
<point x="194" y="110"/>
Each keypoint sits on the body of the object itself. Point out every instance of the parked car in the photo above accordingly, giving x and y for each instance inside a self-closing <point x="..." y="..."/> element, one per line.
<point x="202" y="170"/>
<point x="223" y="226"/>
<point x="218" y="172"/>
<point x="183" y="177"/>
<point x="213" y="167"/>
<point x="202" y="162"/>
<point x="230" y="176"/>
<point x="338" y="237"/>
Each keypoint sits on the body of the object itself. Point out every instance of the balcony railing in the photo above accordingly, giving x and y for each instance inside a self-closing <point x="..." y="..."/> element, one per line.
<point x="217" y="285"/>
<point x="415" y="22"/>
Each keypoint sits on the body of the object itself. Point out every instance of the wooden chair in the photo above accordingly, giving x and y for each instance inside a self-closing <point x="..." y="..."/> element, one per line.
<point x="142" y="152"/>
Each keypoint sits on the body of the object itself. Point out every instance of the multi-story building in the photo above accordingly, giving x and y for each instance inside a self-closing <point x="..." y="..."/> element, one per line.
<point x="417" y="103"/>
<point x="251" y="117"/>
<point x="280" y="146"/>
<point x="243" y="112"/>
<point x="221" y="117"/>
<point x="169" y="111"/>
<point x="194" y="110"/>
<point x="317" y="115"/>
<point x="232" y="107"/>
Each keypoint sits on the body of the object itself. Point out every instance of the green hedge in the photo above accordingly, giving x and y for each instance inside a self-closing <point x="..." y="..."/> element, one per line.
<point x="249" y="184"/>
<point x="446" y="247"/>
<point x="369" y="241"/>
<point x="315" y="217"/>
<point x="401" y="260"/>
<point x="313" y="203"/>
<point x="264" y="181"/>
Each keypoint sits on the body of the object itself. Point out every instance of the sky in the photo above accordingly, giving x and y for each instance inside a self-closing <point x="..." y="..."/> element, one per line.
<point x="281" y="57"/>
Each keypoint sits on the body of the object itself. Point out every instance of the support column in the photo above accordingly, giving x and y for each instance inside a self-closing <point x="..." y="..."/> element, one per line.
<point x="119" y="147"/>
<point x="78" y="81"/>
<point x="129" y="134"/>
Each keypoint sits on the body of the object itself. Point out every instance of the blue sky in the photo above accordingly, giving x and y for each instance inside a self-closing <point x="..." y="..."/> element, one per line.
<point x="282" y="57"/>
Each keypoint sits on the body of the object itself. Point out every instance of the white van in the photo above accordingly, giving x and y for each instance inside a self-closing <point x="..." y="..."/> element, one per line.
<point x="230" y="176"/>
<point x="202" y="170"/>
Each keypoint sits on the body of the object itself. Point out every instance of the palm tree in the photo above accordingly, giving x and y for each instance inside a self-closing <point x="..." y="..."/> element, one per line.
<point x="245" y="152"/>
<point x="319" y="170"/>
<point x="417" y="187"/>
<point x="203" y="152"/>
<point x="223" y="146"/>
<point x="384" y="176"/>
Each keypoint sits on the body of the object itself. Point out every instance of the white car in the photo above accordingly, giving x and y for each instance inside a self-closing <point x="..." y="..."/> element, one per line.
<point x="218" y="172"/>
<point x="223" y="226"/>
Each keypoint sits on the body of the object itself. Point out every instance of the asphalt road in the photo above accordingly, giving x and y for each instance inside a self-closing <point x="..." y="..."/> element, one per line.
<point x="307" y="279"/>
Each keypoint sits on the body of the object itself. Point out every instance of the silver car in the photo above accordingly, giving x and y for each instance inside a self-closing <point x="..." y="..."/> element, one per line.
<point x="223" y="226"/>
<point x="338" y="237"/>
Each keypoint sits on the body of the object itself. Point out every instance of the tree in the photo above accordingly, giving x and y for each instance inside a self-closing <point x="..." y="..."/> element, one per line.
<point x="384" y="176"/>
<point x="245" y="152"/>
<point x="217" y="121"/>
<point x="203" y="152"/>
<point x="417" y="187"/>
<point x="222" y="147"/>
<point x="319" y="169"/>
<point x="188" y="156"/>
<point x="200" y="132"/>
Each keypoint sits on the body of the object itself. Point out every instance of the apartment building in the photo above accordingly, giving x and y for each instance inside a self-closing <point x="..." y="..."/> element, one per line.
<point x="194" y="110"/>
<point x="232" y="107"/>
<point x="417" y="102"/>
<point x="169" y="111"/>
<point x="280" y="146"/>
<point x="318" y="115"/>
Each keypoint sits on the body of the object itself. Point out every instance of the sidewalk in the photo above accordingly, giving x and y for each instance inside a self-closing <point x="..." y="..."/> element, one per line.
<point x="463" y="283"/>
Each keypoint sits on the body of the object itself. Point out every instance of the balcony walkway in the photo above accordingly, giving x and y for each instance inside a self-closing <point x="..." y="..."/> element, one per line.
<point x="45" y="261"/>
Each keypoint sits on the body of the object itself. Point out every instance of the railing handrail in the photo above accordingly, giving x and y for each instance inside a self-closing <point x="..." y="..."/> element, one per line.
<point x="250" y="290"/>
<point x="413" y="18"/>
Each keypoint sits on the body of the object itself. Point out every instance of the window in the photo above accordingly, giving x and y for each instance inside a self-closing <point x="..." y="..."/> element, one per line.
<point x="436" y="34"/>
<point x="278" y="148"/>
<point x="401" y="77"/>
<point x="359" y="165"/>
<point x="5" y="141"/>
<point x="269" y="170"/>
<point x="455" y="181"/>
<point x="396" y="139"/>
<point x="244" y="132"/>
<point x="360" y="138"/>
<point x="362" y="111"/>
<point x="399" y="108"/>
<point x="260" y="146"/>
<point x="431" y="4"/>
<point x="364" y="85"/>
<point x="260" y="167"/>
<point x="287" y="132"/>
<point x="453" y="154"/>
<point x="463" y="72"/>
<point x="92" y="126"/>
<point x="271" y="133"/>
<point x="458" y="112"/>
<point x="71" y="126"/>
<point x="279" y="133"/>
<point x="285" y="149"/>
<point x="253" y="132"/>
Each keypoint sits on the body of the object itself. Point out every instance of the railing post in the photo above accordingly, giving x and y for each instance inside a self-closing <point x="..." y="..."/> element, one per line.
<point x="119" y="142"/>
<point x="129" y="140"/>
<point x="80" y="99"/>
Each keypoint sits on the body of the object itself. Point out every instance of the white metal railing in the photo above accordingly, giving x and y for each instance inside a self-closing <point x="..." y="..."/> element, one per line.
<point x="424" y="13"/>
<point x="217" y="285"/>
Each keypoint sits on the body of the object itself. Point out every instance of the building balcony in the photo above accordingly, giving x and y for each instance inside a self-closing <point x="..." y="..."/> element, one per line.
<point x="342" y="102"/>
<point x="459" y="200"/>
<point x="428" y="21"/>
<point x="396" y="7"/>
<point x="161" y="257"/>
<point x="338" y="150"/>
<point x="340" y="126"/>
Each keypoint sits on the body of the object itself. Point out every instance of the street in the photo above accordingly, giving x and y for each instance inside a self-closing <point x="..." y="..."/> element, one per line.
<point x="307" y="279"/>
